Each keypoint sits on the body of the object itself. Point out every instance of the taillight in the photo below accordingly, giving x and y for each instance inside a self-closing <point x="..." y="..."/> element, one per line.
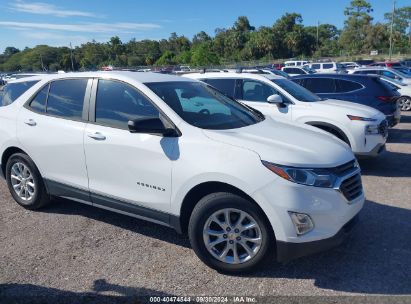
<point x="386" y="98"/>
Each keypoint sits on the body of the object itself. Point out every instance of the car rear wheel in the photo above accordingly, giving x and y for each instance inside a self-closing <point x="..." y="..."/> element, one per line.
<point x="229" y="233"/>
<point x="25" y="182"/>
<point x="405" y="103"/>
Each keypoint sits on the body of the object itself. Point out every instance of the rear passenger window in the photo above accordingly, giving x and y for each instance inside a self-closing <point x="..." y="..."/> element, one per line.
<point x="38" y="103"/>
<point x="315" y="66"/>
<point x="117" y="103"/>
<point x="226" y="86"/>
<point x="320" y="85"/>
<point x="66" y="98"/>
<point x="347" y="86"/>
<point x="328" y="66"/>
<point x="12" y="91"/>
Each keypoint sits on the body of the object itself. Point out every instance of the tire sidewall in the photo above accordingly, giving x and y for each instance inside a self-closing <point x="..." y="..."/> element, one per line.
<point x="34" y="201"/>
<point x="214" y="202"/>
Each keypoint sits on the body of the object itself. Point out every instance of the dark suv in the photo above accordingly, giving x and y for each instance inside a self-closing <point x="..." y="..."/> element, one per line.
<point x="363" y="89"/>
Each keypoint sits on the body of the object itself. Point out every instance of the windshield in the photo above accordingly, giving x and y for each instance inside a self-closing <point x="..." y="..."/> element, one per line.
<point x="405" y="71"/>
<point x="394" y="81"/>
<point x="204" y="107"/>
<point x="401" y="74"/>
<point x="298" y="92"/>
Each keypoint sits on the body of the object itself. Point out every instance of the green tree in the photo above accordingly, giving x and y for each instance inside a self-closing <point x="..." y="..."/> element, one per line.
<point x="358" y="19"/>
<point x="203" y="56"/>
<point x="201" y="37"/>
<point x="402" y="19"/>
<point x="10" y="50"/>
<point x="242" y="24"/>
<point x="168" y="58"/>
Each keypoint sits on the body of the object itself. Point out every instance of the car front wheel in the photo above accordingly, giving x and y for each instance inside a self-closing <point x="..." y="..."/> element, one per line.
<point x="229" y="233"/>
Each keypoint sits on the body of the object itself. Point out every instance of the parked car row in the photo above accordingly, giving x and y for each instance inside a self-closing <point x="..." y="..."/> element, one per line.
<point x="364" y="129"/>
<point x="350" y="88"/>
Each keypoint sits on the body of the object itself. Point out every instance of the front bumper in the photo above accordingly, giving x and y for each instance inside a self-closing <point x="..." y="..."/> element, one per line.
<point x="377" y="150"/>
<point x="287" y="251"/>
<point x="330" y="209"/>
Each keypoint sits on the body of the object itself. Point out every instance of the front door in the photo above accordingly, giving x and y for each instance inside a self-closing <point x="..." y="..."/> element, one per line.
<point x="126" y="168"/>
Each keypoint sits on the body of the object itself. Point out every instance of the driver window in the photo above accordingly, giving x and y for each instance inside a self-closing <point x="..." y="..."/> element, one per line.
<point x="117" y="103"/>
<point x="257" y="91"/>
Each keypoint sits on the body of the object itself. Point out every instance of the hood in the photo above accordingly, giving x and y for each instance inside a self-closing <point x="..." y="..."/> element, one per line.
<point x="350" y="108"/>
<point x="286" y="144"/>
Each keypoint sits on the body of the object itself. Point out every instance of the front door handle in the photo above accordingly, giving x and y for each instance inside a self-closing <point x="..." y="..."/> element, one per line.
<point x="30" y="122"/>
<point x="96" y="136"/>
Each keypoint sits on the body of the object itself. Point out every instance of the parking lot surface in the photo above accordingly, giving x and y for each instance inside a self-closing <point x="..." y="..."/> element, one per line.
<point x="74" y="250"/>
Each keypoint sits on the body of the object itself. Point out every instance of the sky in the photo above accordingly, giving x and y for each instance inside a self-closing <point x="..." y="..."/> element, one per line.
<point x="57" y="23"/>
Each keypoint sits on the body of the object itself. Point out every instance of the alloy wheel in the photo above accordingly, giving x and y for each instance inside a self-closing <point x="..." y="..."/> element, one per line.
<point x="232" y="236"/>
<point x="22" y="181"/>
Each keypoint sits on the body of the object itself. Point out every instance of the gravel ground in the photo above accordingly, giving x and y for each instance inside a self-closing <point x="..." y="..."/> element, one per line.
<point x="76" y="252"/>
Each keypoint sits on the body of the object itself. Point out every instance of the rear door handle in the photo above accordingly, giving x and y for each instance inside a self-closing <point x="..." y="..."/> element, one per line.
<point x="96" y="136"/>
<point x="30" y="122"/>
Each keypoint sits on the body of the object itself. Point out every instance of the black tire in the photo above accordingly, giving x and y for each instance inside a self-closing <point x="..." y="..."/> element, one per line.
<point x="40" y="198"/>
<point x="218" y="201"/>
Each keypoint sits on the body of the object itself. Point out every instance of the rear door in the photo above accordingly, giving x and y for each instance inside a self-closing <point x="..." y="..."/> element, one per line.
<point x="50" y="128"/>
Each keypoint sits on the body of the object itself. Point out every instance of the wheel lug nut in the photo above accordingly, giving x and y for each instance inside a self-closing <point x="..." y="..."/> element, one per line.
<point x="225" y="236"/>
<point x="231" y="242"/>
<point x="236" y="231"/>
<point x="238" y="238"/>
<point x="228" y="229"/>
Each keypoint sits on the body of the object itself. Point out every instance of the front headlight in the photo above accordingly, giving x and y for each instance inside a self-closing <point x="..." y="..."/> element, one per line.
<point x="305" y="176"/>
<point x="359" y="118"/>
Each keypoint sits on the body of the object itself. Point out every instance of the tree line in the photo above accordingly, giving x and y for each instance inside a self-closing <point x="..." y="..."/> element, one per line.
<point x="286" y="38"/>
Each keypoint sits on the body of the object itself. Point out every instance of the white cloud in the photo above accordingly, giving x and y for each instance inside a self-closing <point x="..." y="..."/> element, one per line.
<point x="120" y="27"/>
<point x="47" y="9"/>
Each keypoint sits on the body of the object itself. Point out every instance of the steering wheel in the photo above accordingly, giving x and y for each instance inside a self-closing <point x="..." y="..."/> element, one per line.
<point x="205" y="112"/>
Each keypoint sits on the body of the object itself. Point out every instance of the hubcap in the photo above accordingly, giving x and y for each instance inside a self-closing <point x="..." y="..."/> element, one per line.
<point x="22" y="181"/>
<point x="232" y="236"/>
<point x="405" y="103"/>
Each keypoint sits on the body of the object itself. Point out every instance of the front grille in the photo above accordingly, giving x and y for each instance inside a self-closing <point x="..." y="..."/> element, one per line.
<point x="351" y="188"/>
<point x="345" y="168"/>
<point x="383" y="128"/>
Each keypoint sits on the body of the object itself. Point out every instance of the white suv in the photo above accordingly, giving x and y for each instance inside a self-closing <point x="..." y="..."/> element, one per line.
<point x="326" y="67"/>
<point x="177" y="152"/>
<point x="363" y="128"/>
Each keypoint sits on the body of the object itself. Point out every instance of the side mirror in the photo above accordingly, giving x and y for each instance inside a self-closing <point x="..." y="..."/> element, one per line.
<point x="151" y="125"/>
<point x="275" y="99"/>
